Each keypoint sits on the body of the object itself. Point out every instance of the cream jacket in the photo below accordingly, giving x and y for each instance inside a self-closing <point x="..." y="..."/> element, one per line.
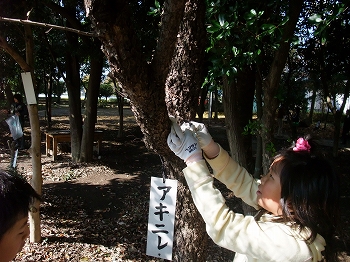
<point x="252" y="240"/>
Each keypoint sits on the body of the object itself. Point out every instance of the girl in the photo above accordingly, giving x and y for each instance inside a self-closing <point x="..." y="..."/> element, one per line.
<point x="297" y="199"/>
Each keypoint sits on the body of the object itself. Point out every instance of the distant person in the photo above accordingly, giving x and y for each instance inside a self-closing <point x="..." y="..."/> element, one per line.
<point x="20" y="109"/>
<point x="16" y="198"/>
<point x="346" y="127"/>
<point x="298" y="199"/>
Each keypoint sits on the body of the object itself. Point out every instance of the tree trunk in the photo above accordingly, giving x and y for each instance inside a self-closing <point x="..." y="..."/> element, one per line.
<point x="121" y="115"/>
<point x="35" y="149"/>
<point x="238" y="100"/>
<point x="120" y="102"/>
<point x="312" y="106"/>
<point x="271" y="84"/>
<point x="183" y="84"/>
<point x="49" y="100"/>
<point x="9" y="95"/>
<point x="258" y="170"/>
<point x="176" y="65"/>
<point x="337" y="120"/>
<point x="201" y="106"/>
<point x="86" y="153"/>
<point x="73" y="88"/>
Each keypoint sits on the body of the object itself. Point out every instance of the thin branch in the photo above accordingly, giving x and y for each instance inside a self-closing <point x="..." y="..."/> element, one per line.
<point x="28" y="22"/>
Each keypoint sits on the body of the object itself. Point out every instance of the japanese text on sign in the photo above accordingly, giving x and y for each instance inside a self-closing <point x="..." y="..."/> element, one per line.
<point x="161" y="218"/>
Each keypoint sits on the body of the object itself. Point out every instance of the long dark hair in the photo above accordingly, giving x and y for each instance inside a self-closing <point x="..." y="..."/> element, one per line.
<point x="18" y="97"/>
<point x="310" y="194"/>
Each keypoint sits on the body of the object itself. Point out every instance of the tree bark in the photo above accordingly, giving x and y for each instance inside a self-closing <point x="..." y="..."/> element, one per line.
<point x="183" y="86"/>
<point x="35" y="149"/>
<point x="170" y="84"/>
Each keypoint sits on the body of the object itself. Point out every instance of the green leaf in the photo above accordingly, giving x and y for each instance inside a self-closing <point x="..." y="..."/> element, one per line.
<point x="221" y="20"/>
<point x="284" y="21"/>
<point x="315" y="19"/>
<point x="250" y="15"/>
<point x="156" y="3"/>
<point x="267" y="27"/>
<point x="235" y="51"/>
<point x="253" y="12"/>
<point x="212" y="29"/>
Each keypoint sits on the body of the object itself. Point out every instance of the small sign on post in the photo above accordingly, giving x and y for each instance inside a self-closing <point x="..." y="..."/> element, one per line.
<point x="161" y="218"/>
<point x="28" y="88"/>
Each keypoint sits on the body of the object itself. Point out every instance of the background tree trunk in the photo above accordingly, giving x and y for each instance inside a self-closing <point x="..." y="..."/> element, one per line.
<point x="86" y="153"/>
<point x="271" y="84"/>
<point x="238" y="103"/>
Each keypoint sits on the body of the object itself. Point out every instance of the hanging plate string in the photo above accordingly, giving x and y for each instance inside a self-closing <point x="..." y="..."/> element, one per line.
<point x="163" y="169"/>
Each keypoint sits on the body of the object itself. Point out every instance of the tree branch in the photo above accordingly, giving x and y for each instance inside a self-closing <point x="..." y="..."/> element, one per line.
<point x="28" y="22"/>
<point x="14" y="54"/>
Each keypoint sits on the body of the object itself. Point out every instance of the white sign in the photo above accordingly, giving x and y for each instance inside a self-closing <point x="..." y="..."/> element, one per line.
<point x="161" y="218"/>
<point x="28" y="88"/>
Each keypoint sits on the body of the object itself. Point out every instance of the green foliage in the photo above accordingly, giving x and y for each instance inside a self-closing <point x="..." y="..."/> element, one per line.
<point x="252" y="128"/>
<point x="241" y="34"/>
<point x="270" y="148"/>
<point x="323" y="20"/>
<point x="106" y="90"/>
<point x="146" y="18"/>
<point x="155" y="11"/>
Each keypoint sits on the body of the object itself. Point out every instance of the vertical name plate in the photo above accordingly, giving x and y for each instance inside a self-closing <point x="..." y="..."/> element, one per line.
<point x="161" y="218"/>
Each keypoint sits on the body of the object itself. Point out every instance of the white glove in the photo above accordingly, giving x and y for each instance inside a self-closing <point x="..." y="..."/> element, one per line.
<point x="201" y="132"/>
<point x="206" y="142"/>
<point x="184" y="144"/>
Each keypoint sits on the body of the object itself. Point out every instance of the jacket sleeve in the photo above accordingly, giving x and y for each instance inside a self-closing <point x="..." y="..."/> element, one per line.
<point x="235" y="177"/>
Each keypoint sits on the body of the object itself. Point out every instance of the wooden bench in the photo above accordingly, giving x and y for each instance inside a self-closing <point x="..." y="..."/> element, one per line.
<point x="55" y="137"/>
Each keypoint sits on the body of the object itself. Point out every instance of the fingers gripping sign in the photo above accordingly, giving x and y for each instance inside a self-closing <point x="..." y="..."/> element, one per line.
<point x="184" y="144"/>
<point x="201" y="133"/>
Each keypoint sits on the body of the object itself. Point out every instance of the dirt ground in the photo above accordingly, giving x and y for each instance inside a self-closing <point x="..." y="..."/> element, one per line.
<point x="98" y="211"/>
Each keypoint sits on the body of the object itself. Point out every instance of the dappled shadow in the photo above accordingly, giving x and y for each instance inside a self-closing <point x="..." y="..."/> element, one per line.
<point x="96" y="214"/>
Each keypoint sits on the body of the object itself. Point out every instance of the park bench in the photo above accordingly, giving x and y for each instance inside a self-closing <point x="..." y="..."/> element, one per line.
<point x="59" y="136"/>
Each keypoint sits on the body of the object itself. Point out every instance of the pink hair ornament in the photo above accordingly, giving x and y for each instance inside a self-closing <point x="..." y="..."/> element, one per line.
<point x="302" y="145"/>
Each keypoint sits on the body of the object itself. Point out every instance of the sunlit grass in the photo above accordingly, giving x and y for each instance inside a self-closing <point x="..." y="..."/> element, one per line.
<point x="221" y="115"/>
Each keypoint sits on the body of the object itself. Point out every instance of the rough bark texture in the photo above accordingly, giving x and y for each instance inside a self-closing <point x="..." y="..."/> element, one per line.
<point x="271" y="83"/>
<point x="182" y="91"/>
<point x="169" y="84"/>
